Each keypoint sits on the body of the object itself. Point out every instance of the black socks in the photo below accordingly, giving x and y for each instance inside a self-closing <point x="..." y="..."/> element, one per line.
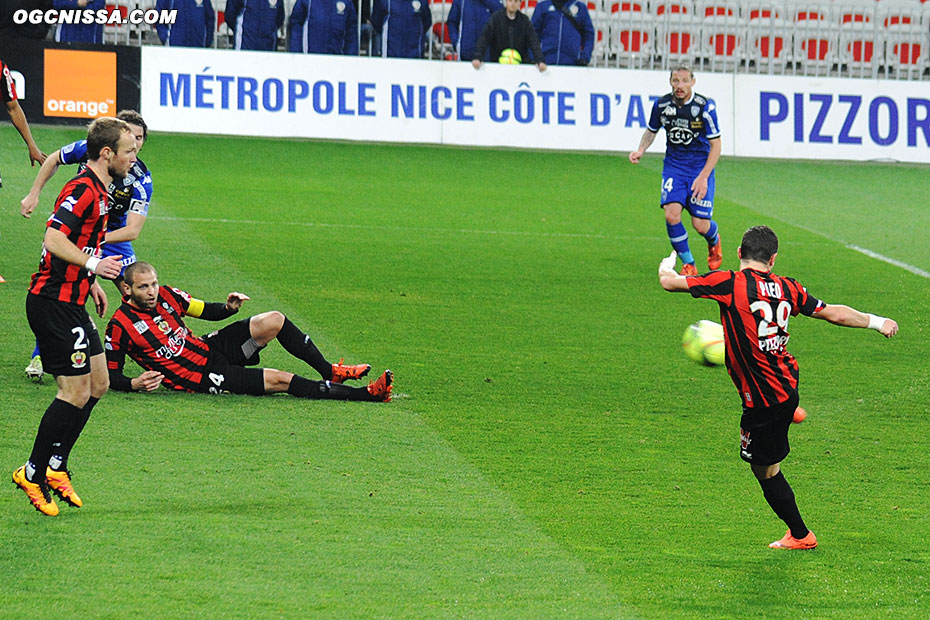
<point x="300" y="346"/>
<point x="780" y="497"/>
<point x="53" y="429"/>
<point x="305" y="388"/>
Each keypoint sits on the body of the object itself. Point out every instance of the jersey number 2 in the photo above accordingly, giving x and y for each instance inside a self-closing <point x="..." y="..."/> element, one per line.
<point x="780" y="313"/>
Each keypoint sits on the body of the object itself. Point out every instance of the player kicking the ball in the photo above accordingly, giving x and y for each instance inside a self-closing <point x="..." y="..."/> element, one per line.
<point x="149" y="328"/>
<point x="755" y="305"/>
<point x="692" y="148"/>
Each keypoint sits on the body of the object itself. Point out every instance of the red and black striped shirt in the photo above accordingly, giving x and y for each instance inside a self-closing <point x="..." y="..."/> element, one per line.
<point x="81" y="214"/>
<point x="158" y="340"/>
<point x="754" y="310"/>
<point x="7" y="86"/>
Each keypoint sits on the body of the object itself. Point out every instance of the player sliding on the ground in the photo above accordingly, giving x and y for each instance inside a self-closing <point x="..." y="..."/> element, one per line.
<point x="755" y="305"/>
<point x="149" y="327"/>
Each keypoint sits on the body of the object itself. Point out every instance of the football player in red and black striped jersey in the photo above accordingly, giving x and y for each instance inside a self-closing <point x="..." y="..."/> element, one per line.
<point x="55" y="309"/>
<point x="150" y="329"/>
<point x="8" y="97"/>
<point x="11" y="101"/>
<point x="755" y="305"/>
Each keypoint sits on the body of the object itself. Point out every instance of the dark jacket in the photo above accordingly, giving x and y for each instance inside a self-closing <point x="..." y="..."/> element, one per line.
<point x="323" y="27"/>
<point x="561" y="42"/>
<point x="79" y="33"/>
<point x="503" y="33"/>
<point x="403" y="24"/>
<point x="467" y="19"/>
<point x="194" y="26"/>
<point x="255" y="23"/>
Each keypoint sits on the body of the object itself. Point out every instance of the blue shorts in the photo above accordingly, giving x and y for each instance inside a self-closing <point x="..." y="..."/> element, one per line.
<point x="676" y="187"/>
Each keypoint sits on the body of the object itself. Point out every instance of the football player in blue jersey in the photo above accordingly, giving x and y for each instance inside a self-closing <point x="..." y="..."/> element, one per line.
<point x="692" y="149"/>
<point x="129" y="204"/>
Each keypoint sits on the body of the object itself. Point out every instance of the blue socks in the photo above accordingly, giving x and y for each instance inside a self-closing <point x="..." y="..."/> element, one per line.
<point x="711" y="234"/>
<point x="678" y="235"/>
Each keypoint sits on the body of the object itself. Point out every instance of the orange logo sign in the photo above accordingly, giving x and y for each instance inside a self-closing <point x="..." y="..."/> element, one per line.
<point x="80" y="84"/>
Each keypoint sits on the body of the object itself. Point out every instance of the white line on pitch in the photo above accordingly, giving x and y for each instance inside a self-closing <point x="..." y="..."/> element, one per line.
<point x="514" y="233"/>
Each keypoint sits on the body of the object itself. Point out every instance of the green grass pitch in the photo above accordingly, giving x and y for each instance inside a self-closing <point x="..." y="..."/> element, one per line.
<point x="551" y="453"/>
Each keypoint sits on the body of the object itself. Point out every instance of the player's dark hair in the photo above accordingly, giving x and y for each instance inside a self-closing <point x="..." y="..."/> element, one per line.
<point x="129" y="273"/>
<point x="134" y="118"/>
<point x="104" y="132"/>
<point x="760" y="243"/>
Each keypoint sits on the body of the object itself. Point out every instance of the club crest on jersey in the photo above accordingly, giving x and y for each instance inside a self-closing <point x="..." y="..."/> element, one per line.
<point x="416" y="5"/>
<point x="78" y="359"/>
<point x="141" y="327"/>
<point x="695" y="110"/>
<point x="272" y="3"/>
<point x="340" y="7"/>
<point x="164" y="327"/>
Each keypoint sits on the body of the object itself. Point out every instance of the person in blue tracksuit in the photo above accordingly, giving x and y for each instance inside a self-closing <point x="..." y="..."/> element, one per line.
<point x="79" y="33"/>
<point x="403" y="25"/>
<point x="323" y="27"/>
<point x="194" y="25"/>
<point x="255" y="23"/>
<point x="565" y="31"/>
<point x="467" y="19"/>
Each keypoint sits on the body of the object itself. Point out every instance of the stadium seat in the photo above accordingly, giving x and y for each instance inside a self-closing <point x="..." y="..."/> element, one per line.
<point x="905" y="27"/>
<point x="814" y="37"/>
<point x="631" y="33"/>
<point x="116" y="34"/>
<point x="768" y="38"/>
<point x="861" y="42"/>
<point x="677" y="33"/>
<point x="528" y="6"/>
<point x="440" y="10"/>
<point x="721" y="33"/>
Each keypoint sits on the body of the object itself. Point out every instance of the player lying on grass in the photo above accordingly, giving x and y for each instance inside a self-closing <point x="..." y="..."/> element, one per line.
<point x="755" y="305"/>
<point x="149" y="327"/>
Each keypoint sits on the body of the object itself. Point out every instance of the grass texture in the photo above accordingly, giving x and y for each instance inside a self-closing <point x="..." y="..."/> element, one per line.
<point x="550" y="452"/>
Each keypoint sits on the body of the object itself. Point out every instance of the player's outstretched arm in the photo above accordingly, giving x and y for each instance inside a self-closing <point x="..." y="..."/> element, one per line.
<point x="46" y="172"/>
<point x="850" y="317"/>
<point x="669" y="278"/>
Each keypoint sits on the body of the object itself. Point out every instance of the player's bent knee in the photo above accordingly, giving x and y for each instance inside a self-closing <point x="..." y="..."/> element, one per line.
<point x="266" y="326"/>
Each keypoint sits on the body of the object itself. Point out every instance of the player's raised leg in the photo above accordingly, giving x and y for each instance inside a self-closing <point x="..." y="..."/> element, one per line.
<point x="267" y="326"/>
<point x="678" y="237"/>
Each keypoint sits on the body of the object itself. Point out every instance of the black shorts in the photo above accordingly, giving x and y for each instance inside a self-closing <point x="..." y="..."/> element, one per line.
<point x="764" y="432"/>
<point x="230" y="353"/>
<point x="66" y="335"/>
